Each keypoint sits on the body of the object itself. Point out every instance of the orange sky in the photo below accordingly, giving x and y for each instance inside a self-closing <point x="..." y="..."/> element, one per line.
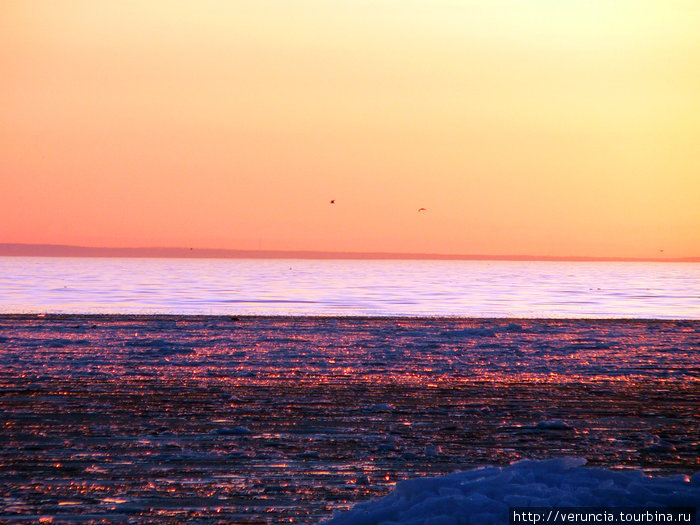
<point x="541" y="127"/>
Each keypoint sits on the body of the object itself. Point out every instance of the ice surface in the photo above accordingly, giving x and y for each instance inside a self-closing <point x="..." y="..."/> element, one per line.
<point x="285" y="420"/>
<point x="484" y="495"/>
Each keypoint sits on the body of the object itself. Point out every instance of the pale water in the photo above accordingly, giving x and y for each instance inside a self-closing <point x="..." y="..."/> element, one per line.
<point x="350" y="287"/>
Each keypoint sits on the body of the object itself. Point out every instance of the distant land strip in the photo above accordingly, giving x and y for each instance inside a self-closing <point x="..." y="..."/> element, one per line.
<point x="60" y="250"/>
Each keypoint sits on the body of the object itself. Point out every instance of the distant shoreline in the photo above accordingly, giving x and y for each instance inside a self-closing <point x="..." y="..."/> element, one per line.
<point x="59" y="250"/>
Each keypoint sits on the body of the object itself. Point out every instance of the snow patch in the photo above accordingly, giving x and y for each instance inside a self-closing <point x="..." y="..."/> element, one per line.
<point x="553" y="424"/>
<point x="236" y="431"/>
<point x="484" y="495"/>
<point x="382" y="407"/>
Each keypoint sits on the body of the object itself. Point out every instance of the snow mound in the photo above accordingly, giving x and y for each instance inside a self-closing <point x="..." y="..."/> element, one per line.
<point x="484" y="495"/>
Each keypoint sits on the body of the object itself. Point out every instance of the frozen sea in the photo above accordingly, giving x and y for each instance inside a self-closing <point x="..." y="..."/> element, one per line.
<point x="265" y="420"/>
<point x="483" y="289"/>
<point x="270" y="391"/>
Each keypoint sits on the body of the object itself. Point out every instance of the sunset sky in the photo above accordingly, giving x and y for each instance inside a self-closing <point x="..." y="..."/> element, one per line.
<point x="540" y="127"/>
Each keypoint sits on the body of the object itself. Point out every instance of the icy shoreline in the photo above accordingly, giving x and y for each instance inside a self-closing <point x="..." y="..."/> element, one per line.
<point x="484" y="495"/>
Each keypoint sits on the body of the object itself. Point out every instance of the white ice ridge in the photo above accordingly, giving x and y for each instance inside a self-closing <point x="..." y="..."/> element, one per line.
<point x="484" y="495"/>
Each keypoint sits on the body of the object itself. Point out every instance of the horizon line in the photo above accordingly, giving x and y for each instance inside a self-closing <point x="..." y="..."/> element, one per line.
<point x="67" y="250"/>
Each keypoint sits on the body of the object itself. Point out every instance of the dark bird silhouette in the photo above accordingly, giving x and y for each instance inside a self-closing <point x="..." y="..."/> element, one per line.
<point x="422" y="209"/>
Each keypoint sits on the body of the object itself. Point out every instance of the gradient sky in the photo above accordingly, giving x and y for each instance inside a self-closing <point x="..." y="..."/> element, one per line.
<point x="541" y="127"/>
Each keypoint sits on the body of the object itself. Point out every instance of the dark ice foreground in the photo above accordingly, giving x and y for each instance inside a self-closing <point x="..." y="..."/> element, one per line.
<point x="145" y="419"/>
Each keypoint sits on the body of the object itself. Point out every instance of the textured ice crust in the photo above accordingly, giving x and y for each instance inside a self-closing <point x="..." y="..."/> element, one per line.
<point x="483" y="495"/>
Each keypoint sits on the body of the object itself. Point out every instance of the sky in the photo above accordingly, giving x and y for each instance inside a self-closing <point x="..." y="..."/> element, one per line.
<point x="533" y="127"/>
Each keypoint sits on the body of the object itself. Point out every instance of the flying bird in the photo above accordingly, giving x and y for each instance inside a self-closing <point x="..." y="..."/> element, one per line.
<point x="422" y="209"/>
<point x="333" y="201"/>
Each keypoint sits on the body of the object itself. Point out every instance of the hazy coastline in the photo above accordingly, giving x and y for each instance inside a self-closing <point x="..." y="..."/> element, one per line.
<point x="61" y="250"/>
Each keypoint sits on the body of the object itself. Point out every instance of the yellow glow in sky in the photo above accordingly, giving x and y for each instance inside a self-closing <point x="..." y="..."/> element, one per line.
<point x="541" y="127"/>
